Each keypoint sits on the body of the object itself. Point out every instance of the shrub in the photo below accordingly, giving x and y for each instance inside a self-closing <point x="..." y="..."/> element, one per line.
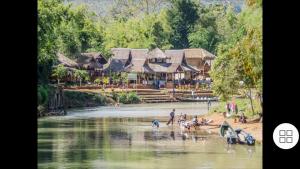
<point x="123" y="97"/>
<point x="42" y="95"/>
<point x="127" y="98"/>
<point x="97" y="81"/>
<point x="133" y="98"/>
<point x="115" y="95"/>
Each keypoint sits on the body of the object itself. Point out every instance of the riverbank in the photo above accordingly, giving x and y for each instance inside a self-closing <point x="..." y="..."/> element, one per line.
<point x="254" y="128"/>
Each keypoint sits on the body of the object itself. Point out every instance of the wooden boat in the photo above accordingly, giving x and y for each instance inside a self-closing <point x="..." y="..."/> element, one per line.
<point x="228" y="133"/>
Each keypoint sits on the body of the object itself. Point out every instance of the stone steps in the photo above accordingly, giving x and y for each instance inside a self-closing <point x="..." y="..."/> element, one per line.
<point x="155" y="96"/>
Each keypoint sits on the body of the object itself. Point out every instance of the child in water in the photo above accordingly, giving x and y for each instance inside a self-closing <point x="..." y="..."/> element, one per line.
<point x="155" y="123"/>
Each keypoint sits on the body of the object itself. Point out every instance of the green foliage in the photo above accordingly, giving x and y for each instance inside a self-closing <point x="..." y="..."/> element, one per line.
<point x="60" y="72"/>
<point x="81" y="74"/>
<point x="42" y="94"/>
<point x="115" y="96"/>
<point x="129" y="98"/>
<point x="82" y="99"/>
<point x="97" y="81"/>
<point x="133" y="98"/>
<point x="124" y="77"/>
<point x="106" y="80"/>
<point x="123" y="97"/>
<point x="115" y="78"/>
<point x="70" y="30"/>
<point x="182" y="17"/>
<point x="240" y="58"/>
<point x="243" y="106"/>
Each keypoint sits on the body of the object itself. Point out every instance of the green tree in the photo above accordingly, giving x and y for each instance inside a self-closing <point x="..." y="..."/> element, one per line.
<point x="182" y="17"/>
<point x="50" y="15"/>
<point x="81" y="75"/>
<point x="60" y="72"/>
<point x="238" y="66"/>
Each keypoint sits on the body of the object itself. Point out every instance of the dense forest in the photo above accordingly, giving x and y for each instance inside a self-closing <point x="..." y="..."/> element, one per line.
<point x="234" y="36"/>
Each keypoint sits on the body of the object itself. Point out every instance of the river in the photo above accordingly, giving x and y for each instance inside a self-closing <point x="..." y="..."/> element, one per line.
<point x="122" y="138"/>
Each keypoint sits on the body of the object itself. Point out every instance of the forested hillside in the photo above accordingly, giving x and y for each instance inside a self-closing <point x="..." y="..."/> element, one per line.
<point x="102" y="7"/>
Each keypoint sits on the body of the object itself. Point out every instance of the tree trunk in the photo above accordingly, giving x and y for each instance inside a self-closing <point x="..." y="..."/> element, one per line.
<point x="79" y="82"/>
<point x="57" y="82"/>
<point x="260" y="101"/>
<point x="251" y="101"/>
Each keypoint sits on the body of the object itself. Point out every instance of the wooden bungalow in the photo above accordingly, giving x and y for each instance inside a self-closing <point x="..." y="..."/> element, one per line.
<point x="119" y="60"/>
<point x="200" y="59"/>
<point x="93" y="62"/>
<point x="152" y="68"/>
<point x="138" y="64"/>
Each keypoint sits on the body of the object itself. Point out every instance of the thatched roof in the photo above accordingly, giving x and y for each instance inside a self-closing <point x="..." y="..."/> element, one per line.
<point x="67" y="62"/>
<point x="120" y="53"/>
<point x="139" y="53"/>
<point x="119" y="60"/>
<point x="178" y="57"/>
<point x="91" y="60"/>
<point x="156" y="53"/>
<point x="198" y="53"/>
<point x="160" y="67"/>
<point x="175" y="55"/>
<point x="138" y="60"/>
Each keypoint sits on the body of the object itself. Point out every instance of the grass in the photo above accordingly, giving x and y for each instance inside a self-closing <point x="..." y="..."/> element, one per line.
<point x="243" y="106"/>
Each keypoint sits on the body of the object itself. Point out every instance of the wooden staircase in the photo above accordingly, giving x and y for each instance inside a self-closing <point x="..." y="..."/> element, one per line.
<point x="155" y="96"/>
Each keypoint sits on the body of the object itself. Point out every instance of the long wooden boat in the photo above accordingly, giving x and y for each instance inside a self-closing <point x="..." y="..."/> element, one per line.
<point x="188" y="99"/>
<point x="227" y="132"/>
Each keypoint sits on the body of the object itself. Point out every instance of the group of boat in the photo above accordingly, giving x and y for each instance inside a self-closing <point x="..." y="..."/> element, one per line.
<point x="197" y="99"/>
<point x="237" y="136"/>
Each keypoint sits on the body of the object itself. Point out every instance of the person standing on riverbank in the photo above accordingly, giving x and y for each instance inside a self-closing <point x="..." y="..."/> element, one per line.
<point x="208" y="104"/>
<point x="228" y="108"/>
<point x="172" y="115"/>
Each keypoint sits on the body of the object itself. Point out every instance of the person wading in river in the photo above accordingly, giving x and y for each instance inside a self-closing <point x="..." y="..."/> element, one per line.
<point x="172" y="115"/>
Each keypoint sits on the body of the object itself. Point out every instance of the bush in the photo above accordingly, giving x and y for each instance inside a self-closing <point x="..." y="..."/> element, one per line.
<point x="133" y="98"/>
<point x="97" y="81"/>
<point x="115" y="96"/>
<point x="127" y="98"/>
<point x="42" y="94"/>
<point x="83" y="99"/>
<point x="123" y="98"/>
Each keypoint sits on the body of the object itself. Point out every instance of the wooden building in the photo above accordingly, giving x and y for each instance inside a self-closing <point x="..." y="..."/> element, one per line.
<point x="152" y="68"/>
<point x="200" y="59"/>
<point x="93" y="62"/>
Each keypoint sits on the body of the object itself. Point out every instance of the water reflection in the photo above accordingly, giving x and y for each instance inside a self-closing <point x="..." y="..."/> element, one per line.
<point x="132" y="143"/>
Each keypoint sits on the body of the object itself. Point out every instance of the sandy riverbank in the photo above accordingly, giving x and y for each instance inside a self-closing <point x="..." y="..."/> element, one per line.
<point x="254" y="128"/>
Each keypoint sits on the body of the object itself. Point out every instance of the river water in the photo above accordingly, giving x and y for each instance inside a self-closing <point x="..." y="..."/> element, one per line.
<point x="122" y="138"/>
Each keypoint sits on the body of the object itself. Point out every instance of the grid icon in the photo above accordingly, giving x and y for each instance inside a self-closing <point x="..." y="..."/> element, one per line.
<point x="284" y="136"/>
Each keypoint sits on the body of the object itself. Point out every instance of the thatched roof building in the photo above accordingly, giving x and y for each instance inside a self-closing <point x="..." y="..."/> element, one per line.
<point x="156" y="54"/>
<point x="119" y="60"/>
<point x="143" y="60"/>
<point x="92" y="60"/>
<point x="67" y="62"/>
<point x="138" y="61"/>
<point x="198" y="53"/>
<point x="178" y="58"/>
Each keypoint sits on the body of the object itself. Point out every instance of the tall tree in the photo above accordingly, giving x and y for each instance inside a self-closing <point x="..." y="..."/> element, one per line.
<point x="238" y="66"/>
<point x="182" y="17"/>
